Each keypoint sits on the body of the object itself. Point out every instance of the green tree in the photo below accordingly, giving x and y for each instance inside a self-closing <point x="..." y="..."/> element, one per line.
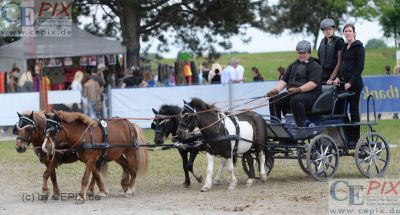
<point x="389" y="17"/>
<point x="375" y="43"/>
<point x="304" y="16"/>
<point x="195" y="26"/>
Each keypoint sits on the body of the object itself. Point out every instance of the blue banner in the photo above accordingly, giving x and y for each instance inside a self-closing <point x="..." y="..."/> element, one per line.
<point x="385" y="90"/>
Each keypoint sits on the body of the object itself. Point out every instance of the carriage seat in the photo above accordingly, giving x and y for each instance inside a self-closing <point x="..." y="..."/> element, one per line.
<point x="325" y="101"/>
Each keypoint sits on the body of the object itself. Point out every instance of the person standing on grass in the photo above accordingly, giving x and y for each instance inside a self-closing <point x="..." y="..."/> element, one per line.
<point x="330" y="51"/>
<point x="353" y="59"/>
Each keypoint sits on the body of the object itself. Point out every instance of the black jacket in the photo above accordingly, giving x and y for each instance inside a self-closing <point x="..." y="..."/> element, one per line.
<point x="314" y="73"/>
<point x="352" y="62"/>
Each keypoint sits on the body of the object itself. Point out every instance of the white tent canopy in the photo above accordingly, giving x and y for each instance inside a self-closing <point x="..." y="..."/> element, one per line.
<point x="81" y="43"/>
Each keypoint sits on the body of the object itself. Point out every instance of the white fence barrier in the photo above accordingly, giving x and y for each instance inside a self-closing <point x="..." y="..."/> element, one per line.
<point x="137" y="102"/>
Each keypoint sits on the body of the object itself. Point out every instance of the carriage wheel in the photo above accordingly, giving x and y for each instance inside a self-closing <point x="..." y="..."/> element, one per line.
<point x="372" y="155"/>
<point x="303" y="165"/>
<point x="322" y="157"/>
<point x="269" y="164"/>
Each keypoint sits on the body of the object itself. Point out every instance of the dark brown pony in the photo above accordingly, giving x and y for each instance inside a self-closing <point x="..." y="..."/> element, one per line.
<point x="30" y="129"/>
<point x="81" y="133"/>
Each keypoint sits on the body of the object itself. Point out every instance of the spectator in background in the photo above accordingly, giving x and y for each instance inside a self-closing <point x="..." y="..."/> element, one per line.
<point x="388" y="70"/>
<point x="171" y="78"/>
<point x="233" y="73"/>
<point x="92" y="91"/>
<point x="216" y="78"/>
<point x="237" y="74"/>
<point x="77" y="82"/>
<point x="77" y="85"/>
<point x="256" y="74"/>
<point x="205" y="72"/>
<point x="280" y="71"/>
<point x="12" y="81"/>
<point x="97" y="77"/>
<point x="212" y="71"/>
<point x="397" y="70"/>
<point x="148" y="79"/>
<point x="134" y="78"/>
<point x="25" y="82"/>
<point x="187" y="72"/>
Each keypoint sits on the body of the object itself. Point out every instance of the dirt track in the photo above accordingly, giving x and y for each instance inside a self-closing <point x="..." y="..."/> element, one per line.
<point x="287" y="191"/>
<point x="277" y="196"/>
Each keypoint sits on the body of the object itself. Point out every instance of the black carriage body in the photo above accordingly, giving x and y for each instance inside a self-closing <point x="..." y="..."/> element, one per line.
<point x="327" y="127"/>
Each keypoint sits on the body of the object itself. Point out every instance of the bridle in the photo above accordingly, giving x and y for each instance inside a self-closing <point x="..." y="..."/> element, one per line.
<point x="30" y="125"/>
<point x="158" y="127"/>
<point x="187" y="111"/>
<point x="190" y="111"/>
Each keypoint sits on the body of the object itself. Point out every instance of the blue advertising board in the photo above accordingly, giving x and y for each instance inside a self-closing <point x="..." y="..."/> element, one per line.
<point x="385" y="90"/>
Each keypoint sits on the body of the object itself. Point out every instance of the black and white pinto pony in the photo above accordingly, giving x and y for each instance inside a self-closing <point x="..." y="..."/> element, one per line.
<point x="166" y="123"/>
<point x="226" y="136"/>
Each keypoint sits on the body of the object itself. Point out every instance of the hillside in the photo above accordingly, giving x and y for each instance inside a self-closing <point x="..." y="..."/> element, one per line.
<point x="375" y="61"/>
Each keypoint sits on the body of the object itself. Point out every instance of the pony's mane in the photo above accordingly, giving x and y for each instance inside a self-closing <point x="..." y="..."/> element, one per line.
<point x="169" y="110"/>
<point x="200" y="105"/>
<point x="69" y="117"/>
<point x="38" y="117"/>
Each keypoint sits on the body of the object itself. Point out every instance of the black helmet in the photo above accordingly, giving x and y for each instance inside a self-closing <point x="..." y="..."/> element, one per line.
<point x="303" y="46"/>
<point x="326" y="23"/>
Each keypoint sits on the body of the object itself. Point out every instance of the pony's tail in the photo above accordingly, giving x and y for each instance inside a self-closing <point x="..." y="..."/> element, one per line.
<point x="141" y="156"/>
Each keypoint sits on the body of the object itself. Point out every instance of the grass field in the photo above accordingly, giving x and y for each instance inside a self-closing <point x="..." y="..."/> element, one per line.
<point x="375" y="61"/>
<point x="165" y="166"/>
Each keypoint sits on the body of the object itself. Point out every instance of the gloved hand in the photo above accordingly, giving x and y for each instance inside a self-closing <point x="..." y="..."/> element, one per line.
<point x="294" y="90"/>
<point x="272" y="92"/>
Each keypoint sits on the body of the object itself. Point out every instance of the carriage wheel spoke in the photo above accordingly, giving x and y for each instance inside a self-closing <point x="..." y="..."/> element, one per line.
<point x="366" y="151"/>
<point x="376" y="167"/>
<point x="380" y="159"/>
<point x="367" y="159"/>
<point x="329" y="163"/>
<point x="369" y="165"/>
<point x="326" y="149"/>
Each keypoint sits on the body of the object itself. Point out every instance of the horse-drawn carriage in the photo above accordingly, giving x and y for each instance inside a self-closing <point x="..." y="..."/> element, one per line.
<point x="257" y="139"/>
<point x="327" y="137"/>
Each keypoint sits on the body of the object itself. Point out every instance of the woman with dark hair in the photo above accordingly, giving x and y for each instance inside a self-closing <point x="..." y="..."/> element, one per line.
<point x="256" y="74"/>
<point x="353" y="58"/>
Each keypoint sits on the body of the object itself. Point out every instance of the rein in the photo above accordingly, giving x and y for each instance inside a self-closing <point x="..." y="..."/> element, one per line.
<point x="69" y="149"/>
<point x="232" y="113"/>
<point x="208" y="110"/>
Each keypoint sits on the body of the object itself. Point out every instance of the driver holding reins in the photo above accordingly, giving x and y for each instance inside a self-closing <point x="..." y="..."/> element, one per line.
<point x="302" y="80"/>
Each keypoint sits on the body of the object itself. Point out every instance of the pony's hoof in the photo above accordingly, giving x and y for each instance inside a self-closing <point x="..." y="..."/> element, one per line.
<point x="45" y="193"/>
<point x="56" y="196"/>
<point x="129" y="193"/>
<point x="217" y="182"/>
<point x="263" y="178"/>
<point x="90" y="192"/>
<point x="79" y="200"/>
<point x="200" y="179"/>
<point x="204" y="189"/>
<point x="185" y="185"/>
<point x="103" y="194"/>
<point x="250" y="182"/>
<point x="232" y="185"/>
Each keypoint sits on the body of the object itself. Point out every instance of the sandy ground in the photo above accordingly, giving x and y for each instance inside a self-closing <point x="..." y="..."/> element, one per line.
<point x="20" y="186"/>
